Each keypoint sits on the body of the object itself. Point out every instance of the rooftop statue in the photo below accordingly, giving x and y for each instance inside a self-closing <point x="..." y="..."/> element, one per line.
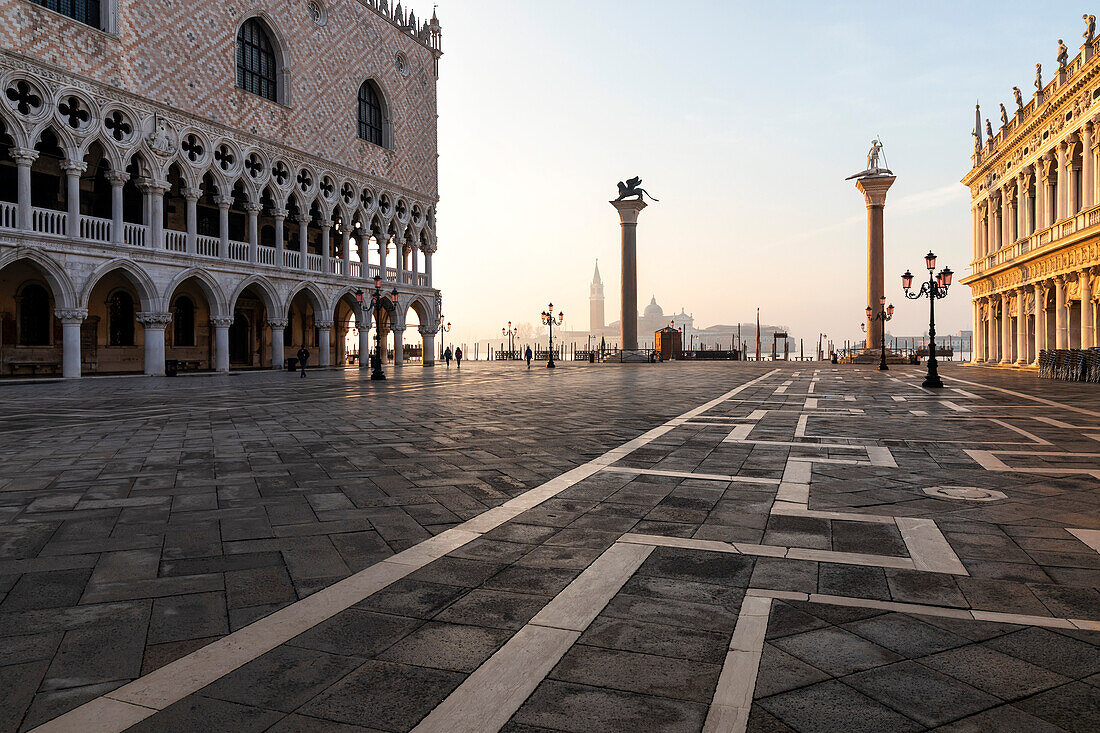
<point x="988" y="129"/>
<point x="1019" y="97"/>
<point x="633" y="187"/>
<point x="1090" y="27"/>
<point x="1038" y="77"/>
<point x="1063" y="55"/>
<point x="873" y="168"/>
<point x="1004" y="117"/>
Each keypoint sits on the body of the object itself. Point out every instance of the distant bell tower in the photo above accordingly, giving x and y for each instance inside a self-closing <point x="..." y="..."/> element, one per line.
<point x="595" y="302"/>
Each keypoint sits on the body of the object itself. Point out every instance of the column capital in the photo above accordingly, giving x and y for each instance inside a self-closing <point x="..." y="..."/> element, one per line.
<point x="629" y="210"/>
<point x="223" y="202"/>
<point x="874" y="189"/>
<point x="324" y="325"/>
<point x="279" y="213"/>
<point x="278" y="322"/>
<point x="397" y="329"/>
<point x="153" y="186"/>
<point x="74" y="167"/>
<point x="117" y="178"/>
<point x="326" y="223"/>
<point x="303" y="219"/>
<point x="23" y="156"/>
<point x="70" y="315"/>
<point x="254" y="209"/>
<point x="153" y="319"/>
<point x="221" y="321"/>
<point x="428" y="330"/>
<point x="192" y="194"/>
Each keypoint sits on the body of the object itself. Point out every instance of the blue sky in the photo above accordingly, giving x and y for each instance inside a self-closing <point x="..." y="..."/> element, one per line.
<point x="744" y="119"/>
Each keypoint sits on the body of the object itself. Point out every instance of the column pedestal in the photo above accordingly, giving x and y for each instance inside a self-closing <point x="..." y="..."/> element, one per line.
<point x="221" y="343"/>
<point x="628" y="310"/>
<point x="324" y="343"/>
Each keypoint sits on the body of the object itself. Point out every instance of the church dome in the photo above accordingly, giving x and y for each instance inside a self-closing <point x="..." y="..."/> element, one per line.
<point x="653" y="310"/>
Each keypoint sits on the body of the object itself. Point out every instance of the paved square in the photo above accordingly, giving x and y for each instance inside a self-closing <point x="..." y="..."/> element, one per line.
<point x="718" y="547"/>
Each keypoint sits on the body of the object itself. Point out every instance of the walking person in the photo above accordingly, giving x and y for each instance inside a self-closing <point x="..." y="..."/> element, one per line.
<point x="528" y="356"/>
<point x="447" y="355"/>
<point x="303" y="357"/>
<point x="458" y="357"/>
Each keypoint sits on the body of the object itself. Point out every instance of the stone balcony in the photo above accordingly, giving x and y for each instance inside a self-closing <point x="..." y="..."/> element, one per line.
<point x="1068" y="231"/>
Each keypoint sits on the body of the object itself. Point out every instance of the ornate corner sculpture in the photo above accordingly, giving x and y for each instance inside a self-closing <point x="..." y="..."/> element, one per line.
<point x="633" y="187"/>
<point x="873" y="168"/>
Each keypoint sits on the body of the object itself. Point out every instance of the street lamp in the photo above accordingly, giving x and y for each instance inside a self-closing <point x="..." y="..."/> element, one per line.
<point x="884" y="316"/>
<point x="379" y="302"/>
<point x="445" y="327"/>
<point x="549" y="320"/>
<point x="934" y="289"/>
<point x="510" y="333"/>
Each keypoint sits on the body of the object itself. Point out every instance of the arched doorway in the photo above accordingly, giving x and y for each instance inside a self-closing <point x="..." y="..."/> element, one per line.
<point x="190" y="337"/>
<point x="113" y="304"/>
<point x="249" y="336"/>
<point x="30" y="335"/>
<point x="346" y="345"/>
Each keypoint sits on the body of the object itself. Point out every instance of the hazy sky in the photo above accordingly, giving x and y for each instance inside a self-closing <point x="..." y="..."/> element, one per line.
<point x="743" y="119"/>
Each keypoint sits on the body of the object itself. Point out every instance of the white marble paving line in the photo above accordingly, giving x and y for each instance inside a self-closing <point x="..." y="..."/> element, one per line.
<point x="919" y="413"/>
<point x="791" y="553"/>
<point x="1060" y="424"/>
<point x="1032" y="398"/>
<point x="119" y="709"/>
<point x="732" y="701"/>
<point x="928" y="548"/>
<point x="688" y="475"/>
<point x="738" y="434"/>
<point x="489" y="697"/>
<point x="800" y="429"/>
<point x="787" y="508"/>
<point x="811" y="403"/>
<point x="952" y="406"/>
<point x="988" y="460"/>
<point x="1090" y="537"/>
<point x="1030" y="436"/>
<point x="1052" y="622"/>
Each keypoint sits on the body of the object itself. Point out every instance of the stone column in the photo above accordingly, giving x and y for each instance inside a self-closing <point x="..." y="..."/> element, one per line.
<point x="1060" y="183"/>
<point x="975" y="341"/>
<point x="1085" y="283"/>
<point x="383" y="250"/>
<point x="399" y="251"/>
<point x="24" y="158"/>
<point x="117" y="179"/>
<point x="280" y="216"/>
<point x="192" y="196"/>
<point x="415" y="264"/>
<point x="1040" y="196"/>
<point x="363" y="326"/>
<point x="1060" y="330"/>
<point x="303" y="240"/>
<point x="428" y="265"/>
<point x="874" y="189"/>
<point x="1088" y="167"/>
<point x="398" y="345"/>
<point x="1021" y="206"/>
<point x="223" y="202"/>
<point x="346" y="250"/>
<point x="326" y="253"/>
<point x="1021" y="326"/>
<point x="278" y="328"/>
<point x="73" y="169"/>
<point x="254" y="232"/>
<point x="1006" y="329"/>
<point x="221" y="342"/>
<point x="154" y="192"/>
<point x="70" y="318"/>
<point x="628" y="318"/>
<point x="154" y="325"/>
<point x="1040" y="320"/>
<point x="427" y="337"/>
<point x="324" y="342"/>
<point x="1010" y="219"/>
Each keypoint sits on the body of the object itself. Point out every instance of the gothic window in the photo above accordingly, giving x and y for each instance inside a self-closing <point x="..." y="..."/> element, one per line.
<point x="120" y="319"/>
<point x="257" y="68"/>
<point x="183" y="321"/>
<point x="371" y="114"/>
<point x="34" y="316"/>
<point x="86" y="11"/>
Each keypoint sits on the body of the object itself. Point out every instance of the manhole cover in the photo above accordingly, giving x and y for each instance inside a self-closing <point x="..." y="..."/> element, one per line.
<point x="966" y="493"/>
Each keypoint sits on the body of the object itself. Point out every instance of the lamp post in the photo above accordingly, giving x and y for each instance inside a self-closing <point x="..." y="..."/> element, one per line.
<point x="379" y="302"/>
<point x="884" y="316"/>
<point x="549" y="320"/>
<point x="934" y="289"/>
<point x="510" y="333"/>
<point x="445" y="327"/>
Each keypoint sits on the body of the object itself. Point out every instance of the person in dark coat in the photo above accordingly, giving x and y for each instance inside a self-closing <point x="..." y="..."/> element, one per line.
<point x="528" y="356"/>
<point x="458" y="357"/>
<point x="447" y="355"/>
<point x="303" y="357"/>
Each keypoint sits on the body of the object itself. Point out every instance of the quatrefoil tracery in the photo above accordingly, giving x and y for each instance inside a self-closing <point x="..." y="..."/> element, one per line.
<point x="22" y="95"/>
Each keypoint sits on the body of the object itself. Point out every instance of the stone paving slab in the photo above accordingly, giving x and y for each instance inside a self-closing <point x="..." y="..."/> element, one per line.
<point x="781" y="515"/>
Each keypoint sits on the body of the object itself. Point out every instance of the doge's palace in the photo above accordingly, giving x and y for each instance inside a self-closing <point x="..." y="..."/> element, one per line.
<point x="1035" y="195"/>
<point x="213" y="183"/>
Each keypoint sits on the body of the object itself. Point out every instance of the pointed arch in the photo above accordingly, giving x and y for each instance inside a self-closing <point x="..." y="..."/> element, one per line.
<point x="64" y="294"/>
<point x="263" y="286"/>
<point x="347" y="295"/>
<point x="137" y="277"/>
<point x="424" y="309"/>
<point x="209" y="286"/>
<point x="316" y="298"/>
<point x="373" y="115"/>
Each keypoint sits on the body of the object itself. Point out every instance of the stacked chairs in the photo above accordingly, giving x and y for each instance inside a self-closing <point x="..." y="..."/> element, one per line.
<point x="1070" y="365"/>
